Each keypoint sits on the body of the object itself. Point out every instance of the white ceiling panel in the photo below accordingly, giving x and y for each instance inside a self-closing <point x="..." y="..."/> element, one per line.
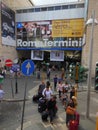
<point x="18" y="4"/>
<point x="22" y="4"/>
<point x="49" y="2"/>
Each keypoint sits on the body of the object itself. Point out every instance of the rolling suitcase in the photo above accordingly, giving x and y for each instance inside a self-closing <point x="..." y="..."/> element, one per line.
<point x="41" y="105"/>
<point x="35" y="98"/>
<point x="77" y="117"/>
<point x="73" y="125"/>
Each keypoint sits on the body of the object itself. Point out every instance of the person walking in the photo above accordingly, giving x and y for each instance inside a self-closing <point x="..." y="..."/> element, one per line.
<point x="70" y="111"/>
<point x="47" y="93"/>
<point x="51" y="108"/>
<point x="38" y="74"/>
<point x="55" y="79"/>
<point x="65" y="87"/>
<point x="72" y="92"/>
<point x="41" y="88"/>
<point x="48" y="73"/>
<point x="62" y="73"/>
<point x="60" y="88"/>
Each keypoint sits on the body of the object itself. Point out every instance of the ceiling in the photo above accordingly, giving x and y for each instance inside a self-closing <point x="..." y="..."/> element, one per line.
<point x="22" y="4"/>
<point x="49" y="2"/>
<point x="18" y="4"/>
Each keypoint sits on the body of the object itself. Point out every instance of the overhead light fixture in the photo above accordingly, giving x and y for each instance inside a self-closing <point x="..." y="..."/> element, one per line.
<point x="90" y="21"/>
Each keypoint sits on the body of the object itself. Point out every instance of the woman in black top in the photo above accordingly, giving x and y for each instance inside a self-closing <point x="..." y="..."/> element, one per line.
<point x="51" y="108"/>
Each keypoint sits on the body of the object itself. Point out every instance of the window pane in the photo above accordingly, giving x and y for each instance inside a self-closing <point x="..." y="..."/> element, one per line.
<point x="50" y="8"/>
<point x="30" y="10"/>
<point x="37" y="9"/>
<point x="64" y="6"/>
<point x="72" y="6"/>
<point x="43" y="9"/>
<point x="80" y="5"/>
<point x="57" y="7"/>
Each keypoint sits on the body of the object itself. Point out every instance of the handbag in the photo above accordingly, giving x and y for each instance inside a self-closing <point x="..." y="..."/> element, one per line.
<point x="70" y="110"/>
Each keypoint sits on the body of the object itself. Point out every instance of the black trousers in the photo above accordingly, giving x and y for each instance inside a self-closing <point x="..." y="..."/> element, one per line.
<point x="55" y="84"/>
<point x="60" y="93"/>
<point x="52" y="114"/>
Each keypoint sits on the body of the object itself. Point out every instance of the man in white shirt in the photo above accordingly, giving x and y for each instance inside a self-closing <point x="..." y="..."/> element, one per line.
<point x="47" y="93"/>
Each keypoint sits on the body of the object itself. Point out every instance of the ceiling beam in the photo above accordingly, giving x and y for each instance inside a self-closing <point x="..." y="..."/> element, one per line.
<point x="31" y="2"/>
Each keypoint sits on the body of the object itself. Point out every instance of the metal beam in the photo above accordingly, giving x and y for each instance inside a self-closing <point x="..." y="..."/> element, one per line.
<point x="31" y="2"/>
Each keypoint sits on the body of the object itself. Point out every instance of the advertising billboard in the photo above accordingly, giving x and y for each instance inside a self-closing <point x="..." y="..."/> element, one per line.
<point x="67" y="28"/>
<point x="50" y="34"/>
<point x="37" y="55"/>
<point x="7" y="26"/>
<point x="57" y="56"/>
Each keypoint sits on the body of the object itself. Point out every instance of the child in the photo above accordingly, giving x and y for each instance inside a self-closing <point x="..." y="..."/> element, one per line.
<point x="64" y="99"/>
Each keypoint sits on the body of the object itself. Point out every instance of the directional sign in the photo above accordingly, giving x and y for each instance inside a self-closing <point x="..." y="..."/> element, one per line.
<point x="8" y="63"/>
<point x="27" y="67"/>
<point x="15" y="68"/>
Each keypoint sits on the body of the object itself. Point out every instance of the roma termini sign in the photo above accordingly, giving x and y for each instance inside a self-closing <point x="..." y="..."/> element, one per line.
<point x="50" y="34"/>
<point x="45" y="43"/>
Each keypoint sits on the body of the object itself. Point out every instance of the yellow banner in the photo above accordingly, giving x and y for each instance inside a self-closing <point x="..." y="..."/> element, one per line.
<point x="68" y="28"/>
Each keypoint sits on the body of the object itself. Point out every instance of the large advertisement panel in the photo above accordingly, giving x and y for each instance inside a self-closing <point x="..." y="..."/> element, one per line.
<point x="57" y="56"/>
<point x="7" y="26"/>
<point x="67" y="28"/>
<point x="50" y="34"/>
<point x="37" y="55"/>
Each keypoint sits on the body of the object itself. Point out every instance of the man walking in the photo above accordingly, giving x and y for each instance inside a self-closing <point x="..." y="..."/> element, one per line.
<point x="55" y="81"/>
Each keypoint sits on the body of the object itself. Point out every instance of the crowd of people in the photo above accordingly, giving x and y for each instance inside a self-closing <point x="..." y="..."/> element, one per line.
<point x="64" y="92"/>
<point x="46" y="100"/>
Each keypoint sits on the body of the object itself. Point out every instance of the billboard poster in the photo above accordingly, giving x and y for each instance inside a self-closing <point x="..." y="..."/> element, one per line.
<point x="37" y="55"/>
<point x="67" y="28"/>
<point x="7" y="26"/>
<point x="57" y="56"/>
<point x="50" y="34"/>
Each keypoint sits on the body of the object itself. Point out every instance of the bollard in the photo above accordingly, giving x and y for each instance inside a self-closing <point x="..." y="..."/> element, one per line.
<point x="97" y="121"/>
<point x="43" y="76"/>
<point x="75" y="92"/>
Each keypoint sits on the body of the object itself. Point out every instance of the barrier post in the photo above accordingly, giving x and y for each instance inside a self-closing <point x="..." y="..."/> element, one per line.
<point x="97" y="121"/>
<point x="76" y="87"/>
<point x="43" y="76"/>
